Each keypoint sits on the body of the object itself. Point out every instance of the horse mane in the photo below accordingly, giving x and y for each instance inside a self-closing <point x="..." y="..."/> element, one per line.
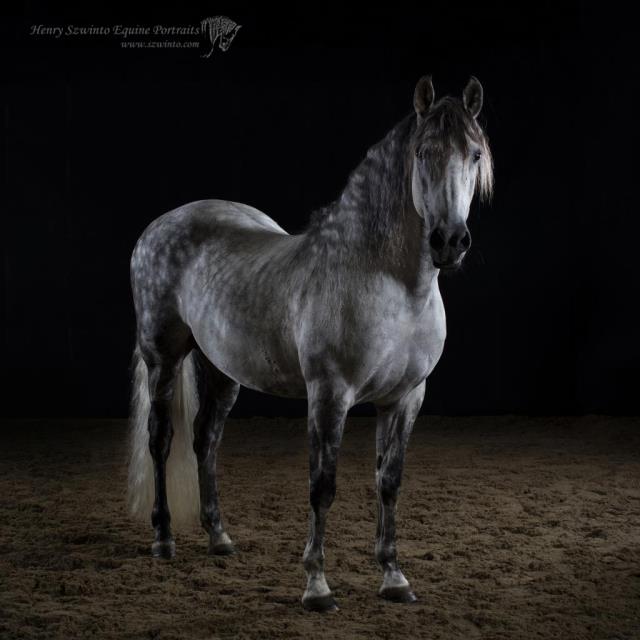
<point x="371" y="204"/>
<point x="374" y="200"/>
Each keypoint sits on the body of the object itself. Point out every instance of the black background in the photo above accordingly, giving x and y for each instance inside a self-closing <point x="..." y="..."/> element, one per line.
<point x="98" y="140"/>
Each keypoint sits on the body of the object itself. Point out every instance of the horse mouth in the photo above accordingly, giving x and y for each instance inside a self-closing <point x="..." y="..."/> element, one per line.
<point x="448" y="266"/>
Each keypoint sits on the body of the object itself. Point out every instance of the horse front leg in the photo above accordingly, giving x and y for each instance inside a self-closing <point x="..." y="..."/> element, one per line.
<point x="327" y="413"/>
<point x="394" y="426"/>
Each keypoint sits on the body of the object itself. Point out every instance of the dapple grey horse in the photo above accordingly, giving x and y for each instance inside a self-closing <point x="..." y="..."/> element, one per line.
<point x="345" y="313"/>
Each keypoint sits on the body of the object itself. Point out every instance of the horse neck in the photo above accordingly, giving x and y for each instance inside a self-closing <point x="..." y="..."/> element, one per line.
<point x="374" y="222"/>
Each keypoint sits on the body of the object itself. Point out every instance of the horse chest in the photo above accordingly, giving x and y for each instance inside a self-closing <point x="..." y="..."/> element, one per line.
<point x="406" y="360"/>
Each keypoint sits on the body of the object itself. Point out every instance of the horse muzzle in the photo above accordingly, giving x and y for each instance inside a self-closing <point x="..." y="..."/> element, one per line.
<point x="448" y="246"/>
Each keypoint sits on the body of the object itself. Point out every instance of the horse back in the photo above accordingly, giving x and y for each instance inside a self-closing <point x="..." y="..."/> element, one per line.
<point x="193" y="240"/>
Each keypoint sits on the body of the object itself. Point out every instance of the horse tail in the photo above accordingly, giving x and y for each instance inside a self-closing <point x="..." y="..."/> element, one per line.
<point x="183" y="492"/>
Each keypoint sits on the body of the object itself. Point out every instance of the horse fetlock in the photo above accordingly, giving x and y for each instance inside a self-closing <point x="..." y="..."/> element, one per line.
<point x="161" y="522"/>
<point x="210" y="518"/>
<point x="386" y="556"/>
<point x="313" y="560"/>
<point x="165" y="548"/>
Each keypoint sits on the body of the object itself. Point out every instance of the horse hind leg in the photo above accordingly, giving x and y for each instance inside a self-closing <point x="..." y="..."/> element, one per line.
<point x="217" y="394"/>
<point x="162" y="372"/>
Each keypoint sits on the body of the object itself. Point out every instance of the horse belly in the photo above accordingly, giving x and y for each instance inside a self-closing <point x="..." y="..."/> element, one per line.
<point x="271" y="373"/>
<point x="257" y="361"/>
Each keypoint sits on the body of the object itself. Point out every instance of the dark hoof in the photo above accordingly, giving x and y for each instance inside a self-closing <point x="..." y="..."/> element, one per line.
<point x="398" y="594"/>
<point x="323" y="604"/>
<point x="222" y="549"/>
<point x="163" y="549"/>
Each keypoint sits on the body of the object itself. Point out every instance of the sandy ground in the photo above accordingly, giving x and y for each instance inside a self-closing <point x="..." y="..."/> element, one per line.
<point x="508" y="528"/>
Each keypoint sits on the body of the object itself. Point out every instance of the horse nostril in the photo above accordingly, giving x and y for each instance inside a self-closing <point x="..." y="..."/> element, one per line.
<point x="460" y="241"/>
<point x="436" y="240"/>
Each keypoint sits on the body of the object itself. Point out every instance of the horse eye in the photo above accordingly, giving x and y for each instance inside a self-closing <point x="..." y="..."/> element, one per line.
<point x="477" y="155"/>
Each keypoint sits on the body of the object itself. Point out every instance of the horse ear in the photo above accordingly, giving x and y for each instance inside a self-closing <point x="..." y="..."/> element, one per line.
<point x="423" y="96"/>
<point x="472" y="96"/>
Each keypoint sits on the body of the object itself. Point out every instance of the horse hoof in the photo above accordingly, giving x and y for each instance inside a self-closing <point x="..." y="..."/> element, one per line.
<point x="398" y="594"/>
<point x="220" y="544"/>
<point x="165" y="549"/>
<point x="222" y="549"/>
<point x="322" y="604"/>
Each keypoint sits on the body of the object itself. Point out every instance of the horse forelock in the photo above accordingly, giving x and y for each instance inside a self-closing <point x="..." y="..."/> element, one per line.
<point x="448" y="126"/>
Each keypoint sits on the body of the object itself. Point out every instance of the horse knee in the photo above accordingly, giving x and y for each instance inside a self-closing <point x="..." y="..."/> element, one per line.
<point x="323" y="489"/>
<point x="388" y="482"/>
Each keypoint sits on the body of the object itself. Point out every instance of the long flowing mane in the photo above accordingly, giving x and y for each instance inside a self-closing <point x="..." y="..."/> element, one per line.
<point x="377" y="196"/>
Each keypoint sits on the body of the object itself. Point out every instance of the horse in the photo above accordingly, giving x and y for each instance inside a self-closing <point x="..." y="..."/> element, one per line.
<point x="345" y="313"/>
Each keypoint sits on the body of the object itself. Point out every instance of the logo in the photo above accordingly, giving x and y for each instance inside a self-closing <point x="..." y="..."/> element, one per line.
<point x="220" y="29"/>
<point x="217" y="31"/>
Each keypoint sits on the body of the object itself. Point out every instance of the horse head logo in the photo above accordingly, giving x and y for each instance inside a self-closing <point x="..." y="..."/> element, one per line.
<point x="220" y="29"/>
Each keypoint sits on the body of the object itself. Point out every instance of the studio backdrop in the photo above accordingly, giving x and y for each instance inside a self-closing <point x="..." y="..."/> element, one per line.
<point x="101" y="136"/>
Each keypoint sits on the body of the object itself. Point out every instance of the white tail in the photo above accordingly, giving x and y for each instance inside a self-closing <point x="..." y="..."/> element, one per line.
<point x="182" y="467"/>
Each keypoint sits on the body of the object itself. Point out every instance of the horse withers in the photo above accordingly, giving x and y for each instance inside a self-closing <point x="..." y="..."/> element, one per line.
<point x="345" y="313"/>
